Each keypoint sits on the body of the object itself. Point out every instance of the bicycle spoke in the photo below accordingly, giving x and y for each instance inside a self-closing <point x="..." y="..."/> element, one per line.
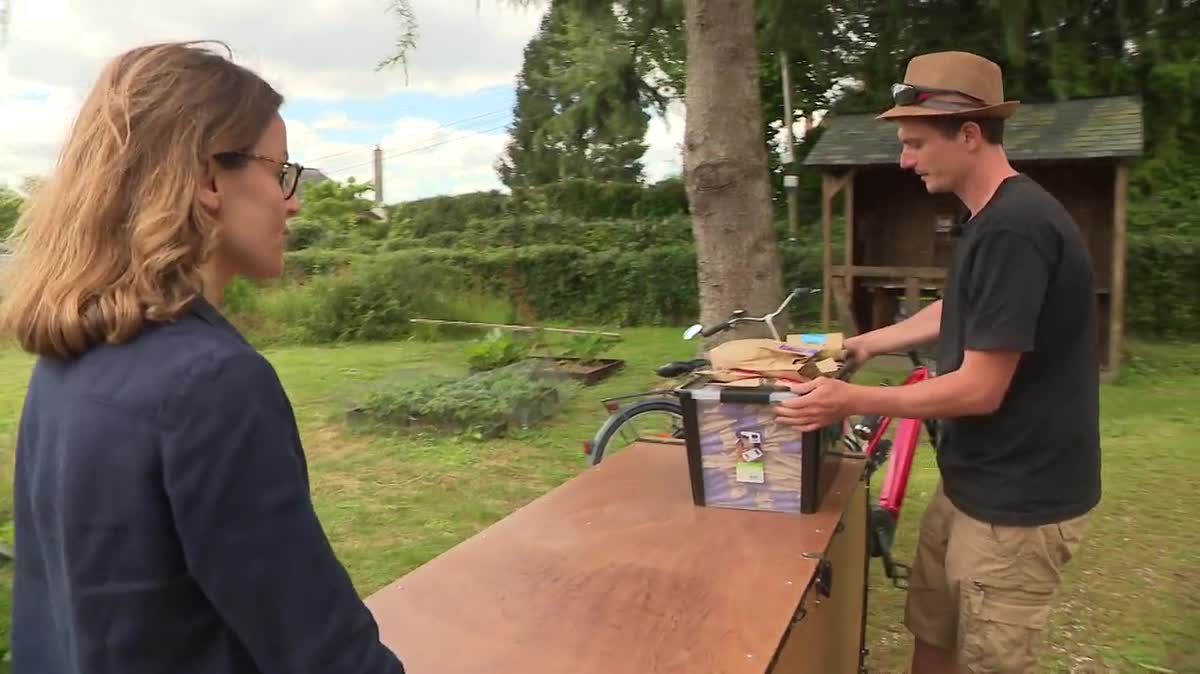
<point x="640" y="428"/>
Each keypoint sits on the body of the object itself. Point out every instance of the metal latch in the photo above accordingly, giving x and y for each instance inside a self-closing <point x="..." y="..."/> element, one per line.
<point x="825" y="577"/>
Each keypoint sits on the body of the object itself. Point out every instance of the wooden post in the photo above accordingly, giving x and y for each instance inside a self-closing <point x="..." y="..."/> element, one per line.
<point x="790" y="182"/>
<point x="827" y="259"/>
<point x="912" y="295"/>
<point x="830" y="186"/>
<point x="1116" y="309"/>
<point x="849" y="214"/>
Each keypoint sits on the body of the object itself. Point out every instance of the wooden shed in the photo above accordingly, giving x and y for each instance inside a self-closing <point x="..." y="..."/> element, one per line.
<point x="899" y="239"/>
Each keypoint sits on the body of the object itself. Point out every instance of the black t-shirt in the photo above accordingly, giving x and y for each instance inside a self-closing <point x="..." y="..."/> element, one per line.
<point x="1022" y="280"/>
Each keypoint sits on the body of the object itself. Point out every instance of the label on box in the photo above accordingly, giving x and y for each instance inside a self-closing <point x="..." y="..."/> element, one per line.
<point x="828" y="365"/>
<point x="750" y="472"/>
<point x="753" y="437"/>
<point x="752" y="454"/>
<point x="826" y="342"/>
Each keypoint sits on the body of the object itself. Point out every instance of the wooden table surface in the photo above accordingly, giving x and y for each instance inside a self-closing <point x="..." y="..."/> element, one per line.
<point x="613" y="572"/>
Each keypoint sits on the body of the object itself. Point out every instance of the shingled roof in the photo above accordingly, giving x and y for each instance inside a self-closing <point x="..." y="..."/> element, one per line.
<point x="1082" y="128"/>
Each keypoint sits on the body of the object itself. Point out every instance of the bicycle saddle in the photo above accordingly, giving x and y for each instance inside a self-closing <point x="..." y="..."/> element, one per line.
<point x="681" y="367"/>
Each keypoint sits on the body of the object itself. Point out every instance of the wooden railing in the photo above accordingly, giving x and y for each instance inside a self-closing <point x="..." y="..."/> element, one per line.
<point x="912" y="279"/>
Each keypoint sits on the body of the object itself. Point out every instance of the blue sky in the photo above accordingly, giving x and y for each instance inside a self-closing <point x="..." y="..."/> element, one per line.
<point x="441" y="130"/>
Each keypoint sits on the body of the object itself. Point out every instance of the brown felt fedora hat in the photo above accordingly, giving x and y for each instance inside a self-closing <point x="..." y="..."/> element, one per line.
<point x="950" y="83"/>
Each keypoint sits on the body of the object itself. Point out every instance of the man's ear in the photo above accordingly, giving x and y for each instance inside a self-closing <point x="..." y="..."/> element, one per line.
<point x="972" y="134"/>
<point x="206" y="190"/>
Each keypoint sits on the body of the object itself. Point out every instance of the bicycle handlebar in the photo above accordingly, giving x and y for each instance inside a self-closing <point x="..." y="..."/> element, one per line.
<point x="740" y="317"/>
<point x="848" y="368"/>
<point x="913" y="357"/>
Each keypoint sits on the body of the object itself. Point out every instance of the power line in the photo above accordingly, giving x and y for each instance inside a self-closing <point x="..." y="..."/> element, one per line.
<point x="368" y="146"/>
<point x="413" y="150"/>
<point x="365" y="146"/>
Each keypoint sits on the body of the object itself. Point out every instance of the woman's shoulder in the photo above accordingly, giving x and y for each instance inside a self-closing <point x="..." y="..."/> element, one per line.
<point x="229" y="368"/>
<point x="167" y="365"/>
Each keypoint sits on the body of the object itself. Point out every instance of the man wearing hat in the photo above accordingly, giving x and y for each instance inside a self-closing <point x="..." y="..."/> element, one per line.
<point x="1017" y="386"/>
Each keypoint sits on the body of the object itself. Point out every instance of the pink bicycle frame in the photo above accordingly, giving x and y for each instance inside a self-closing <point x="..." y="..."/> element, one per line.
<point x="904" y="445"/>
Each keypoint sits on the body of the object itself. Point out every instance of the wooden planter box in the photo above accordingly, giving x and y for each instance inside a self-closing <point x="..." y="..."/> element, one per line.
<point x="589" y="372"/>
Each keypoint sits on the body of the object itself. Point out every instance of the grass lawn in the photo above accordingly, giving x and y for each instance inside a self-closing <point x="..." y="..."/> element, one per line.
<point x="392" y="500"/>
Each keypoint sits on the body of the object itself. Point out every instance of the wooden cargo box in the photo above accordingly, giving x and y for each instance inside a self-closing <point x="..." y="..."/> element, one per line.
<point x="617" y="570"/>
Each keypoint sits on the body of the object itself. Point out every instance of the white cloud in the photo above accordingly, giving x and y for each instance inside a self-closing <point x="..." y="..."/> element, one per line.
<point x="422" y="158"/>
<point x="325" y="49"/>
<point x="34" y="119"/>
<point x="314" y="48"/>
<point x="339" y="121"/>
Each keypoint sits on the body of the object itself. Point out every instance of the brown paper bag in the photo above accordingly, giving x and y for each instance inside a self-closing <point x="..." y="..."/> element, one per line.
<point x="761" y="355"/>
<point x="739" y="359"/>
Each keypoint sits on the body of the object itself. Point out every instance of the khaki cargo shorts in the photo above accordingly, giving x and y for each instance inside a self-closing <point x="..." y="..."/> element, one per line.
<point x="984" y="592"/>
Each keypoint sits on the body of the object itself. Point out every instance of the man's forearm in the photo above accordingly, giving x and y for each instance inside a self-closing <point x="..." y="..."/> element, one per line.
<point x="951" y="395"/>
<point x="920" y="328"/>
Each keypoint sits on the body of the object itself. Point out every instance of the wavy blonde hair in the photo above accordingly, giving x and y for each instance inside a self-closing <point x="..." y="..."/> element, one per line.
<point x="115" y="238"/>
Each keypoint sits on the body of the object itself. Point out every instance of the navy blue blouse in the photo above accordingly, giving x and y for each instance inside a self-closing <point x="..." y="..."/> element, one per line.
<point x="164" y="523"/>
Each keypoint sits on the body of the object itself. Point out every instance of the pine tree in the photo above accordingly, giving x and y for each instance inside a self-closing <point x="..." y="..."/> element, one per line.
<point x="579" y="111"/>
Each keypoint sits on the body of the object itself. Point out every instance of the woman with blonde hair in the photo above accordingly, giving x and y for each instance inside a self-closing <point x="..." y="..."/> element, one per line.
<point x="163" y="517"/>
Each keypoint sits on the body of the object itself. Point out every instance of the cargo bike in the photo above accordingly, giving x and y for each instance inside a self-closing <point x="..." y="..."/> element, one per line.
<point x="722" y="544"/>
<point x="658" y="415"/>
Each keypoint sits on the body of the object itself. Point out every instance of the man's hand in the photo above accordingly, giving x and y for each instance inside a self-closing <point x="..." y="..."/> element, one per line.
<point x="821" y="402"/>
<point x="859" y="349"/>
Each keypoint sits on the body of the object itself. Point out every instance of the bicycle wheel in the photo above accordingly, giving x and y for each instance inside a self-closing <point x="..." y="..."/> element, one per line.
<point x="667" y="423"/>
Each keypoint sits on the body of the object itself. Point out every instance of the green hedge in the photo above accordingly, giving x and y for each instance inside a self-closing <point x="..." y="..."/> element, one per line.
<point x="536" y="229"/>
<point x="592" y="199"/>
<point x="1163" y="281"/>
<point x="1163" y="253"/>
<point x="577" y="198"/>
<point x="571" y="283"/>
<point x="583" y="250"/>
<point x="423" y="217"/>
<point x="626" y="273"/>
<point x="315" y="262"/>
<point x="372" y="297"/>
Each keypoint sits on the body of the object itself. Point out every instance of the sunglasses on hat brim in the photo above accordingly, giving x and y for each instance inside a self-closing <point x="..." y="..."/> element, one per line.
<point x="914" y="94"/>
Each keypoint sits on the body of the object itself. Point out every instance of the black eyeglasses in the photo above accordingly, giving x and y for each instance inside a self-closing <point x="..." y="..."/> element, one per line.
<point x="289" y="172"/>
<point x="913" y="94"/>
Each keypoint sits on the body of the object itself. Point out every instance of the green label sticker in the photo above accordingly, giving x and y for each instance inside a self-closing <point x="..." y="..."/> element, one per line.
<point x="750" y="472"/>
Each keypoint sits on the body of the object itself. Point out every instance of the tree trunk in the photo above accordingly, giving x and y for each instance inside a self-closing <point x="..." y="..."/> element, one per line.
<point x="725" y="164"/>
